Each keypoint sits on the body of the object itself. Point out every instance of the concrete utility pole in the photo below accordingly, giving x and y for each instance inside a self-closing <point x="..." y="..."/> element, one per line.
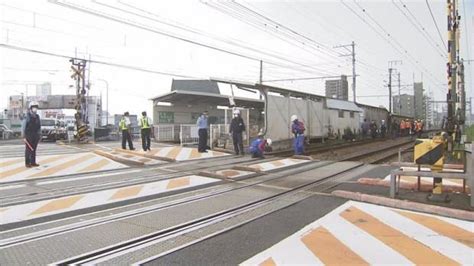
<point x="390" y="91"/>
<point x="354" y="75"/>
<point x="390" y="69"/>
<point x="261" y="77"/>
<point x="453" y="37"/>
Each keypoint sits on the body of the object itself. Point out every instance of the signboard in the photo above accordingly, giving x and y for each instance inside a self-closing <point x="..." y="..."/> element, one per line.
<point x="166" y="117"/>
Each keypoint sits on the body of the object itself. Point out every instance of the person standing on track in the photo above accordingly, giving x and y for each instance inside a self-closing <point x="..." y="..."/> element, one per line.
<point x="202" y="131"/>
<point x="125" y="127"/>
<point x="145" y="124"/>
<point x="236" y="128"/>
<point x="31" y="133"/>
<point x="297" y="128"/>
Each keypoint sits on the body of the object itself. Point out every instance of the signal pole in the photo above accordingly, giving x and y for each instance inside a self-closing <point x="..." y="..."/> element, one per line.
<point x="354" y="75"/>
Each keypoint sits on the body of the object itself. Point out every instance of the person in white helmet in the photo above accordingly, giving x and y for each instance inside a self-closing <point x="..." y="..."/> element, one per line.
<point x="31" y="133"/>
<point x="236" y="128"/>
<point x="297" y="128"/>
<point x="258" y="145"/>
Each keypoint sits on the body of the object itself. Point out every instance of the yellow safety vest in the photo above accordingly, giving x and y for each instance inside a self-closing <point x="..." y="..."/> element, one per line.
<point x="145" y="123"/>
<point x="122" y="124"/>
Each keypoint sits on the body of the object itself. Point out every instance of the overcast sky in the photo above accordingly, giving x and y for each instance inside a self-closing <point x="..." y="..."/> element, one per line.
<point x="203" y="39"/>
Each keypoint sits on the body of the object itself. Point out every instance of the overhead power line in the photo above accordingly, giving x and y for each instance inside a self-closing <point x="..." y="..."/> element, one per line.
<point x="23" y="49"/>
<point x="436" y="25"/>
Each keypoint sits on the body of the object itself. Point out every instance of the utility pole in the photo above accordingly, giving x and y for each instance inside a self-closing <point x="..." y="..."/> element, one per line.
<point x="390" y="91"/>
<point x="451" y="97"/>
<point x="261" y="77"/>
<point x="390" y="69"/>
<point x="354" y="75"/>
<point x="78" y="68"/>
<point x="399" y="86"/>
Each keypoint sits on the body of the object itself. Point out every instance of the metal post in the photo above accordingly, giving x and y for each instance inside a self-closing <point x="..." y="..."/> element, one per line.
<point x="107" y="102"/>
<point x="390" y="91"/>
<point x="353" y="72"/>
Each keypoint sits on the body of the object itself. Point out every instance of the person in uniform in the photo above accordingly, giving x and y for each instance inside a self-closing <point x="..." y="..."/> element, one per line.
<point x="236" y="128"/>
<point x="31" y="133"/>
<point x="125" y="127"/>
<point x="145" y="124"/>
<point x="297" y="128"/>
<point x="202" y="131"/>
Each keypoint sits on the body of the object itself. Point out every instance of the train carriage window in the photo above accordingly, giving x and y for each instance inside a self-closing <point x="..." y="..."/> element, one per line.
<point x="352" y="114"/>
<point x="341" y="113"/>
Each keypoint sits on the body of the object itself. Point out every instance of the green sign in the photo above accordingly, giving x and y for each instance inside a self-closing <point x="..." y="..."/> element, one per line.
<point x="166" y="117"/>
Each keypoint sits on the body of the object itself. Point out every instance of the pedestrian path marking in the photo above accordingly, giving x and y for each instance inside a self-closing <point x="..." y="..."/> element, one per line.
<point x="415" y="251"/>
<point x="55" y="165"/>
<point x="277" y="164"/>
<point x="175" y="153"/>
<point x="44" y="208"/>
<point x="443" y="228"/>
<point x="232" y="173"/>
<point x="329" y="249"/>
<point x="361" y="233"/>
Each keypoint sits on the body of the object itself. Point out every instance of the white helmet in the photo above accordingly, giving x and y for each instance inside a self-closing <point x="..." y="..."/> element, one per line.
<point x="236" y="112"/>
<point x="269" y="142"/>
<point x="293" y="118"/>
<point x="32" y="104"/>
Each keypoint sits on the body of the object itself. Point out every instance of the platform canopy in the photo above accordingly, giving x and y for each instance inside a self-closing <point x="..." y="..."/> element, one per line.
<point x="182" y="97"/>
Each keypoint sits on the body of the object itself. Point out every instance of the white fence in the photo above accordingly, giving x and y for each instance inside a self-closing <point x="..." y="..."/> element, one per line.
<point x="188" y="134"/>
<point x="166" y="132"/>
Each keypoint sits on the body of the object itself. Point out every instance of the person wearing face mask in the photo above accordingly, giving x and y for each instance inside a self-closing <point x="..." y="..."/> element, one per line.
<point x="31" y="133"/>
<point x="236" y="128"/>
<point x="202" y="132"/>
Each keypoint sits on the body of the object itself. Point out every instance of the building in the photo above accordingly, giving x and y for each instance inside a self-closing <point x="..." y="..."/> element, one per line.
<point x="189" y="98"/>
<point x="43" y="89"/>
<point x="419" y="101"/>
<point x="404" y="105"/>
<point x="337" y="88"/>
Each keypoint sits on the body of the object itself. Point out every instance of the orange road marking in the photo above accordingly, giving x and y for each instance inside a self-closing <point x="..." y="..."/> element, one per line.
<point x="58" y="204"/>
<point x="442" y="227"/>
<point x="144" y="160"/>
<point x="23" y="168"/>
<point x="178" y="182"/>
<point x="3" y="209"/>
<point x="329" y="249"/>
<point x="95" y="166"/>
<point x="195" y="154"/>
<point x="173" y="153"/>
<point x="277" y="163"/>
<point x="126" y="192"/>
<point x="413" y="250"/>
<point x="230" y="173"/>
<point x="268" y="262"/>
<point x="7" y="163"/>
<point x="63" y="166"/>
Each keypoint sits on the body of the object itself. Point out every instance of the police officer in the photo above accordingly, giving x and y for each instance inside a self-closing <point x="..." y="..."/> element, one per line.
<point x="31" y="132"/>
<point x="236" y="128"/>
<point x="202" y="131"/>
<point x="124" y="126"/>
<point x="145" y="125"/>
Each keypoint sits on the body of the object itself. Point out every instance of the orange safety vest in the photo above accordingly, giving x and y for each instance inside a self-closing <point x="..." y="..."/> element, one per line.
<point x="418" y="126"/>
<point x="402" y="125"/>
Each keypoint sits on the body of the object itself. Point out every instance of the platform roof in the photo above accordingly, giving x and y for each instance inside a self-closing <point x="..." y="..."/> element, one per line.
<point x="342" y="105"/>
<point x="192" y="97"/>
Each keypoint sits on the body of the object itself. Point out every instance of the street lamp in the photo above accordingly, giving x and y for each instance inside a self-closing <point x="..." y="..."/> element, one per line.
<point x="107" y="102"/>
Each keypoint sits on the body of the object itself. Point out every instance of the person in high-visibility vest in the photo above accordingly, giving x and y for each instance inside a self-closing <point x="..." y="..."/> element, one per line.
<point x="418" y="128"/>
<point x="145" y="124"/>
<point x="402" y="128"/>
<point x="124" y="126"/>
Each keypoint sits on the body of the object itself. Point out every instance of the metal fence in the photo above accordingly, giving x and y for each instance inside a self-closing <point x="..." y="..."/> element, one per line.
<point x="166" y="133"/>
<point x="188" y="134"/>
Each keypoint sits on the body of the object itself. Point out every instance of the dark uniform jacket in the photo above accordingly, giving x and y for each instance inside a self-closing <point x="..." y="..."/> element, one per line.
<point x="237" y="125"/>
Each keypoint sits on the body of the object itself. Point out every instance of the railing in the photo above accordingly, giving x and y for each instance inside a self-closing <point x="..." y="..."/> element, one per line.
<point x="166" y="133"/>
<point x="188" y="134"/>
